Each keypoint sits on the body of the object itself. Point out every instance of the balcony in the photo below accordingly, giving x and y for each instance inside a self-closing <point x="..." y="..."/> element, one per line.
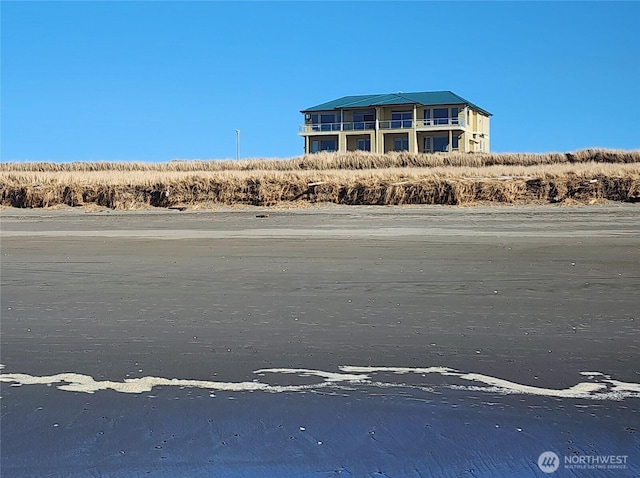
<point x="421" y="124"/>
<point x="359" y="126"/>
<point x="334" y="127"/>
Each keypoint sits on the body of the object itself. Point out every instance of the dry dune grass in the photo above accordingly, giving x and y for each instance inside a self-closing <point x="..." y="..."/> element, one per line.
<point x="349" y="161"/>
<point x="358" y="178"/>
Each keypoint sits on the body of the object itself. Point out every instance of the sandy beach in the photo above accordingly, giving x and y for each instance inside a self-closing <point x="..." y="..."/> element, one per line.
<point x="405" y="341"/>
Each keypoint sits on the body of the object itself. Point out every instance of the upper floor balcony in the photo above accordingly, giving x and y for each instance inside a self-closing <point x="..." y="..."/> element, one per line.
<point x="420" y="124"/>
<point x="334" y="127"/>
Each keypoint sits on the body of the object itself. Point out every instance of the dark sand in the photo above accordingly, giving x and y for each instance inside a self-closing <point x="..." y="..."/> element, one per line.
<point x="529" y="295"/>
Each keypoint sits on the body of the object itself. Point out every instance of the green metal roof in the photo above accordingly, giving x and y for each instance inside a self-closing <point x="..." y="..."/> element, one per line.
<point x="426" y="98"/>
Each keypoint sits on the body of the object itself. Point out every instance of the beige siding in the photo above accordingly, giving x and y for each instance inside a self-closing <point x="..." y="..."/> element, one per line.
<point x="472" y="131"/>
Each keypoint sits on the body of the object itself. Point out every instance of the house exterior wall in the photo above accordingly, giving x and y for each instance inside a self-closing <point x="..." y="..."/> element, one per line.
<point x="477" y="136"/>
<point x="382" y="125"/>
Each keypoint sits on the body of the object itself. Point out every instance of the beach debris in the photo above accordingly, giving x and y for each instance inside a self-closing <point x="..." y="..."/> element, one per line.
<point x="302" y="429"/>
<point x="262" y="216"/>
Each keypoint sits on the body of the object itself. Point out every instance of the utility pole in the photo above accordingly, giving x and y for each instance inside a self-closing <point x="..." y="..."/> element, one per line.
<point x="237" y="144"/>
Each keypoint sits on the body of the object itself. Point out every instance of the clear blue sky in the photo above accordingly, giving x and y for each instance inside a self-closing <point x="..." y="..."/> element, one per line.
<point x="155" y="81"/>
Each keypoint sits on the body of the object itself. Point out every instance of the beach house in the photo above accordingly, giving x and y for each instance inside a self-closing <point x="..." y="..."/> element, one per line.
<point x="423" y="122"/>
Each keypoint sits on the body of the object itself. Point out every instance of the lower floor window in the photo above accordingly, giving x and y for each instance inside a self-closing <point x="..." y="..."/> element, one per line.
<point x="364" y="144"/>
<point x="440" y="143"/>
<point x="328" y="145"/>
<point x="401" y="144"/>
<point x="434" y="144"/>
<point x="323" y="145"/>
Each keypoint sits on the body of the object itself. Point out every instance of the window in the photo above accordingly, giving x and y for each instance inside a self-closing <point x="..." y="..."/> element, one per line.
<point x="327" y="145"/>
<point x="455" y="142"/>
<point x="441" y="116"/>
<point x="454" y="115"/>
<point x="364" y="144"/>
<point x="427" y="117"/>
<point x="363" y="120"/>
<point x="427" y="144"/>
<point x="401" y="119"/>
<point x="401" y="144"/>
<point x="323" y="145"/>
<point x="440" y="143"/>
<point x="327" y="122"/>
<point x="314" y="123"/>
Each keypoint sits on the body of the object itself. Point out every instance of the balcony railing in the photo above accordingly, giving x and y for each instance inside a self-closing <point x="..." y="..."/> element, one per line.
<point x="395" y="124"/>
<point x="329" y="127"/>
<point x="320" y="127"/>
<point x="359" y="125"/>
<point x="441" y="122"/>
<point x="420" y="123"/>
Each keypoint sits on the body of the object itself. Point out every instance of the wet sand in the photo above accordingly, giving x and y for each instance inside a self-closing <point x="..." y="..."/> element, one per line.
<point x="513" y="300"/>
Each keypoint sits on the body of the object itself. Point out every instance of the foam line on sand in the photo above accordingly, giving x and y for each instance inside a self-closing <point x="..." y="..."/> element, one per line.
<point x="599" y="386"/>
